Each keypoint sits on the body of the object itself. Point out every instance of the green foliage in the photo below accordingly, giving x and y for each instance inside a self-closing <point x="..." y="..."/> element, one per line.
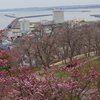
<point x="62" y="74"/>
<point x="92" y="63"/>
<point x="37" y="69"/>
<point x="7" y="68"/>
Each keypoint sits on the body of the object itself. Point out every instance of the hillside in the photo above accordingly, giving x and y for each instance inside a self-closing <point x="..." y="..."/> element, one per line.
<point x="50" y="8"/>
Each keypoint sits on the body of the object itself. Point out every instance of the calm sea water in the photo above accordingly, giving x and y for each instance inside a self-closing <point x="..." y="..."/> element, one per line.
<point x="69" y="14"/>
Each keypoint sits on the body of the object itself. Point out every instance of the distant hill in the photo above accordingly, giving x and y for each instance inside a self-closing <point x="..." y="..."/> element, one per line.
<point x="50" y="8"/>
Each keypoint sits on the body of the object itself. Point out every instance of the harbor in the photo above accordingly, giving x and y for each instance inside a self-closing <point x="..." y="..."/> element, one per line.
<point x="23" y="25"/>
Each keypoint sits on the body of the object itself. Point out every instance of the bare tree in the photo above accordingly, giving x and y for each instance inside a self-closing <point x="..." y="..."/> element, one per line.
<point x="71" y="36"/>
<point x="88" y="37"/>
<point x="96" y="36"/>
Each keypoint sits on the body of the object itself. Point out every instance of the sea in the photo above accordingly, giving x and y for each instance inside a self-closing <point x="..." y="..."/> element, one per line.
<point x="69" y="14"/>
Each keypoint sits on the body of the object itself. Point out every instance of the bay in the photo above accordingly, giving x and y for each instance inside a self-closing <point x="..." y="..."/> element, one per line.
<point x="69" y="14"/>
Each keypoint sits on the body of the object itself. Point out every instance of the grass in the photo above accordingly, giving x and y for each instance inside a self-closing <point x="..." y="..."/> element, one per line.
<point x="62" y="74"/>
<point x="37" y="68"/>
<point x="95" y="62"/>
<point x="42" y="74"/>
<point x="35" y="23"/>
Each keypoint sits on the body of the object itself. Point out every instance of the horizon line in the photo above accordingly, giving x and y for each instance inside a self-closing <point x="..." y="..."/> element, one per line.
<point x="49" y="6"/>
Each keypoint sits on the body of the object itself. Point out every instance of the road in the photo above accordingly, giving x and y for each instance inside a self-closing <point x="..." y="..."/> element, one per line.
<point x="75" y="57"/>
<point x="67" y="60"/>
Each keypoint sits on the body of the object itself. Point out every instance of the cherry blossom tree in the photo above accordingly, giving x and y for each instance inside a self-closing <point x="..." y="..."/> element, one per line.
<point x="6" y="56"/>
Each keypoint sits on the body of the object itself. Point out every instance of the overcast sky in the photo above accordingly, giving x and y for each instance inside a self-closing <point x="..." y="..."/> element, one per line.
<point x="5" y="4"/>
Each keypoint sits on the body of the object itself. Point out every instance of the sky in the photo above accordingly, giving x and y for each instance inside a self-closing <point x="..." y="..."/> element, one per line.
<point x="9" y="4"/>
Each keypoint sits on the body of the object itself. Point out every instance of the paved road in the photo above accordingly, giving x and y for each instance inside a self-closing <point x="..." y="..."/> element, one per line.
<point x="75" y="57"/>
<point x="67" y="60"/>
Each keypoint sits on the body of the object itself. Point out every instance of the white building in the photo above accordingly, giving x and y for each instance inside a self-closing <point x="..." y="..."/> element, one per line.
<point x="45" y="22"/>
<point x="11" y="34"/>
<point x="58" y="15"/>
<point x="24" y="26"/>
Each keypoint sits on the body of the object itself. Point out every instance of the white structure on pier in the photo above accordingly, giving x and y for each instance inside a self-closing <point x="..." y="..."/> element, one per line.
<point x="58" y="15"/>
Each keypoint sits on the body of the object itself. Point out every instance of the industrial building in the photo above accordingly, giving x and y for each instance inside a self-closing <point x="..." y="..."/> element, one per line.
<point x="58" y="15"/>
<point x="20" y="28"/>
<point x="24" y="25"/>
